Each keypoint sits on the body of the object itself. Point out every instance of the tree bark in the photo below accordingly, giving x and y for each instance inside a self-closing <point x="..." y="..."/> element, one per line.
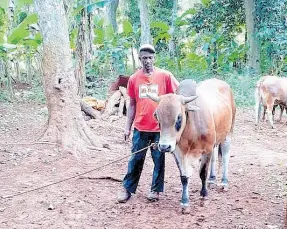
<point x="29" y="67"/>
<point x="8" y="71"/>
<point x="66" y="125"/>
<point x="81" y="48"/>
<point x="145" y="24"/>
<point x="171" y="45"/>
<point x="253" y="54"/>
<point x="112" y="14"/>
<point x="90" y="36"/>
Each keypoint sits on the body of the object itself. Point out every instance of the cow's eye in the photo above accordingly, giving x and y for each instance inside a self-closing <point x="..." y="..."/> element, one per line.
<point x="178" y="122"/>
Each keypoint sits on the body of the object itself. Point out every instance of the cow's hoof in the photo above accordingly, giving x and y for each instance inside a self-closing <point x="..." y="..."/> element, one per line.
<point x="204" y="201"/>
<point x="224" y="187"/>
<point x="185" y="210"/>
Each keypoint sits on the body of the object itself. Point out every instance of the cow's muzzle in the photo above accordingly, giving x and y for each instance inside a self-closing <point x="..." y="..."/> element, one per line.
<point x="164" y="148"/>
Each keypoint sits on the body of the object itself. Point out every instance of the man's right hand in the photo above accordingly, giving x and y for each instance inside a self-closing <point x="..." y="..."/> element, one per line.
<point x="127" y="134"/>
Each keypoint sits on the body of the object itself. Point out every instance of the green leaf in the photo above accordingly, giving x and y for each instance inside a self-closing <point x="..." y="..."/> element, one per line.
<point x="99" y="36"/>
<point x="31" y="43"/>
<point x="109" y="32"/>
<point x="161" y="25"/>
<point x="100" y="22"/>
<point x="31" y="19"/>
<point x="2" y="37"/>
<point x="73" y="38"/>
<point x="18" y="34"/>
<point x="127" y="27"/>
<point x="205" y="2"/>
<point x="22" y="16"/>
<point x="78" y="10"/>
<point x="21" y="31"/>
<point x="38" y="36"/>
<point x="21" y="3"/>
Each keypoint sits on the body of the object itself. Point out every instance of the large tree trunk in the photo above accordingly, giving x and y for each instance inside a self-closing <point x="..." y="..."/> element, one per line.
<point x="145" y="25"/>
<point x="253" y="55"/>
<point x="66" y="125"/>
<point x="112" y="14"/>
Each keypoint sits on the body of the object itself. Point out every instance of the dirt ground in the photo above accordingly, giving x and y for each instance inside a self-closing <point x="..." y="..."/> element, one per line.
<point x="256" y="197"/>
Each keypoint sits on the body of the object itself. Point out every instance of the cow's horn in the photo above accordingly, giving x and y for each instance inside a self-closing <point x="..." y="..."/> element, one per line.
<point x="186" y="100"/>
<point x="153" y="97"/>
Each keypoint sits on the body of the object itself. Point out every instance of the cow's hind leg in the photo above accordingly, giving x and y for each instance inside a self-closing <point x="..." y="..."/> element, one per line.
<point x="203" y="171"/>
<point x="224" y="148"/>
<point x="281" y="112"/>
<point x="212" y="176"/>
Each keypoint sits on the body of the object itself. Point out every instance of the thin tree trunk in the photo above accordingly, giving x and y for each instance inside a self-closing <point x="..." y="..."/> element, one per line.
<point x="66" y="125"/>
<point x="253" y="55"/>
<point x="214" y="58"/>
<point x="18" y="74"/>
<point x="90" y="36"/>
<point x="145" y="24"/>
<point x="112" y="14"/>
<point x="29" y="67"/>
<point x="81" y="56"/>
<point x="172" y="29"/>
<point x="133" y="58"/>
<point x="9" y="84"/>
<point x="2" y="73"/>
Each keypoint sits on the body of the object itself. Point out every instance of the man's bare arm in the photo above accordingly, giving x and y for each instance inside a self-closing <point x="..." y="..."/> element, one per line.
<point x="131" y="112"/>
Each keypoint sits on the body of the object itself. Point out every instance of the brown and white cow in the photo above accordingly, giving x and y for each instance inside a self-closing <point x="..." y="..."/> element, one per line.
<point x="191" y="130"/>
<point x="270" y="91"/>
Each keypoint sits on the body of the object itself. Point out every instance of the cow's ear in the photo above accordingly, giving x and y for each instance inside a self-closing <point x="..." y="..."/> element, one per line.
<point x="191" y="107"/>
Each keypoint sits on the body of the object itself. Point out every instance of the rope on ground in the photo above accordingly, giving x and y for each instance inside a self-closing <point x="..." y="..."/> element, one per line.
<point x="78" y="175"/>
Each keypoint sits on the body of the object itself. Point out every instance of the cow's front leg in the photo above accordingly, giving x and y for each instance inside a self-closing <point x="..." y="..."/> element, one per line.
<point x="185" y="192"/>
<point x="185" y="169"/>
<point x="205" y="159"/>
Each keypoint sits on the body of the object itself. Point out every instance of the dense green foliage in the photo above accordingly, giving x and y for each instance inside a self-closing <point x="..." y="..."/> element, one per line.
<point x="210" y="41"/>
<point x="271" y="24"/>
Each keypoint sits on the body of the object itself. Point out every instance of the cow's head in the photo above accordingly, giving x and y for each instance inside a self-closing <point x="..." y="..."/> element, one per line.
<point x="171" y="116"/>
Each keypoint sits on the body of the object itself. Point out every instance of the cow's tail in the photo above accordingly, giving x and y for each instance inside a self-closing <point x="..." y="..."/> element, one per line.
<point x="257" y="96"/>
<point x="233" y="113"/>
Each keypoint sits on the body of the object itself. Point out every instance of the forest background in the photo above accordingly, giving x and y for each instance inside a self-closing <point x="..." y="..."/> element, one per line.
<point x="237" y="41"/>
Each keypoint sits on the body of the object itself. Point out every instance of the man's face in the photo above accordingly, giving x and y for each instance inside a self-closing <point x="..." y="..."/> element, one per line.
<point x="147" y="60"/>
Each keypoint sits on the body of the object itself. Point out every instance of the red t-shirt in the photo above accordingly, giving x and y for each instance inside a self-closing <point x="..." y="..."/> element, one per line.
<point x="160" y="82"/>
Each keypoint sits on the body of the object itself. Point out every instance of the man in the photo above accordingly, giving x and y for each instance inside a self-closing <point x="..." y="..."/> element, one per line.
<point x="148" y="79"/>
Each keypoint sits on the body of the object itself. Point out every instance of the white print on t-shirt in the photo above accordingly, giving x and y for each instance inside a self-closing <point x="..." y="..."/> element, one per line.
<point x="151" y="89"/>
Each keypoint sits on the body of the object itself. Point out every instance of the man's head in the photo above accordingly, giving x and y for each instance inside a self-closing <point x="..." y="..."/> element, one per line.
<point x="146" y="56"/>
